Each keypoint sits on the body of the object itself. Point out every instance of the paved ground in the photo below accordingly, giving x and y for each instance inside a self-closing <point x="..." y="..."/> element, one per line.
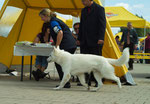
<point x="12" y="91"/>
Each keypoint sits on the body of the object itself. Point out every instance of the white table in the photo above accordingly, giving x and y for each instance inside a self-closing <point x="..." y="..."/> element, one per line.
<point x="29" y="50"/>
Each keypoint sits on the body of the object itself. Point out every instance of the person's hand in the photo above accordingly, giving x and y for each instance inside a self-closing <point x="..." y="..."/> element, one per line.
<point x="78" y="42"/>
<point x="100" y="42"/>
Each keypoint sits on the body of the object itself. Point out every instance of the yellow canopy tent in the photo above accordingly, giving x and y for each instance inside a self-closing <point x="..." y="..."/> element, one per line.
<point x="119" y="16"/>
<point x="143" y="38"/>
<point x="29" y="24"/>
<point x="68" y="22"/>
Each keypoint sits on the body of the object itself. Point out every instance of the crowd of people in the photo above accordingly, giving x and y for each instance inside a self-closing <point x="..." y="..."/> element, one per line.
<point x="88" y="34"/>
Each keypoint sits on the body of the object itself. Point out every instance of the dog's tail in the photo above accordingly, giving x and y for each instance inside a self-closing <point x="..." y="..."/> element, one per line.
<point x="122" y="60"/>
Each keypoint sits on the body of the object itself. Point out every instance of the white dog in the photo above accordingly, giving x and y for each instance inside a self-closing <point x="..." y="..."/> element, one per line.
<point x="78" y="64"/>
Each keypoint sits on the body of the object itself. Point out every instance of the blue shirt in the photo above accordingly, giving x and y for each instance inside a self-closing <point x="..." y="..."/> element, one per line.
<point x="68" y="42"/>
<point x="55" y="26"/>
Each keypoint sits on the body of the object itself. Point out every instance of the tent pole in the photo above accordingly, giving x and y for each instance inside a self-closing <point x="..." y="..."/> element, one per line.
<point x="49" y="4"/>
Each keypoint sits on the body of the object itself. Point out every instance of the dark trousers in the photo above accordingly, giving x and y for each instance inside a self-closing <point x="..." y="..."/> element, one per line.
<point x="97" y="50"/>
<point x="147" y="61"/>
<point x="131" y="50"/>
<point x="59" y="68"/>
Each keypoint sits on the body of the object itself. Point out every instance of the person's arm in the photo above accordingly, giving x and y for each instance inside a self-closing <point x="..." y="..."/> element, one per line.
<point x="136" y="37"/>
<point x="59" y="38"/>
<point x="80" y="28"/>
<point x="58" y="30"/>
<point x="102" y="24"/>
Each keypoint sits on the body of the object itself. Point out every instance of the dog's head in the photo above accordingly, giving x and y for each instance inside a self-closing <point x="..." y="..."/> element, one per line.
<point x="53" y="55"/>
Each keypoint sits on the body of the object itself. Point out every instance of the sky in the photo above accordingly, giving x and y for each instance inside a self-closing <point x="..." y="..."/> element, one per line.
<point x="1" y="2"/>
<point x="139" y="7"/>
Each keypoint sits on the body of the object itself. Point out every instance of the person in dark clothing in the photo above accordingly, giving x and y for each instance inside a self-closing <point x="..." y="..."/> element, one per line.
<point x="147" y="47"/>
<point x="61" y="35"/>
<point x="41" y="61"/>
<point x="92" y="29"/>
<point x="76" y="30"/>
<point x="130" y="39"/>
<point x="117" y="40"/>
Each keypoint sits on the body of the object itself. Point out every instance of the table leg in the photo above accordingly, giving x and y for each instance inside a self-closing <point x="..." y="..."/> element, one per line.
<point x="30" y="67"/>
<point x="22" y="68"/>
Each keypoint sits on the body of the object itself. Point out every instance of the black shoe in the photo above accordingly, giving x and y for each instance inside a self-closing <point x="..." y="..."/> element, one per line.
<point x="41" y="74"/>
<point x="89" y="83"/>
<point x="130" y="68"/>
<point x="35" y="75"/>
<point x="79" y="84"/>
<point x="129" y="84"/>
<point x="147" y="77"/>
<point x="66" y="85"/>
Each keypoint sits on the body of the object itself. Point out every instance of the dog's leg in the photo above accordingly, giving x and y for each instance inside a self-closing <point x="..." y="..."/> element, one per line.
<point x="114" y="78"/>
<point x="65" y="79"/>
<point x="109" y="74"/>
<point x="98" y="78"/>
<point x="82" y="81"/>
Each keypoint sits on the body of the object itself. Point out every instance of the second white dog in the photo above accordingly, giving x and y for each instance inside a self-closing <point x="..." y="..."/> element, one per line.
<point x="78" y="64"/>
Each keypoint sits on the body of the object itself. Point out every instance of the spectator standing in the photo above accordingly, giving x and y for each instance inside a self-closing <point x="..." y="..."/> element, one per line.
<point x="147" y="47"/>
<point x="141" y="49"/>
<point x="92" y="29"/>
<point x="130" y="39"/>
